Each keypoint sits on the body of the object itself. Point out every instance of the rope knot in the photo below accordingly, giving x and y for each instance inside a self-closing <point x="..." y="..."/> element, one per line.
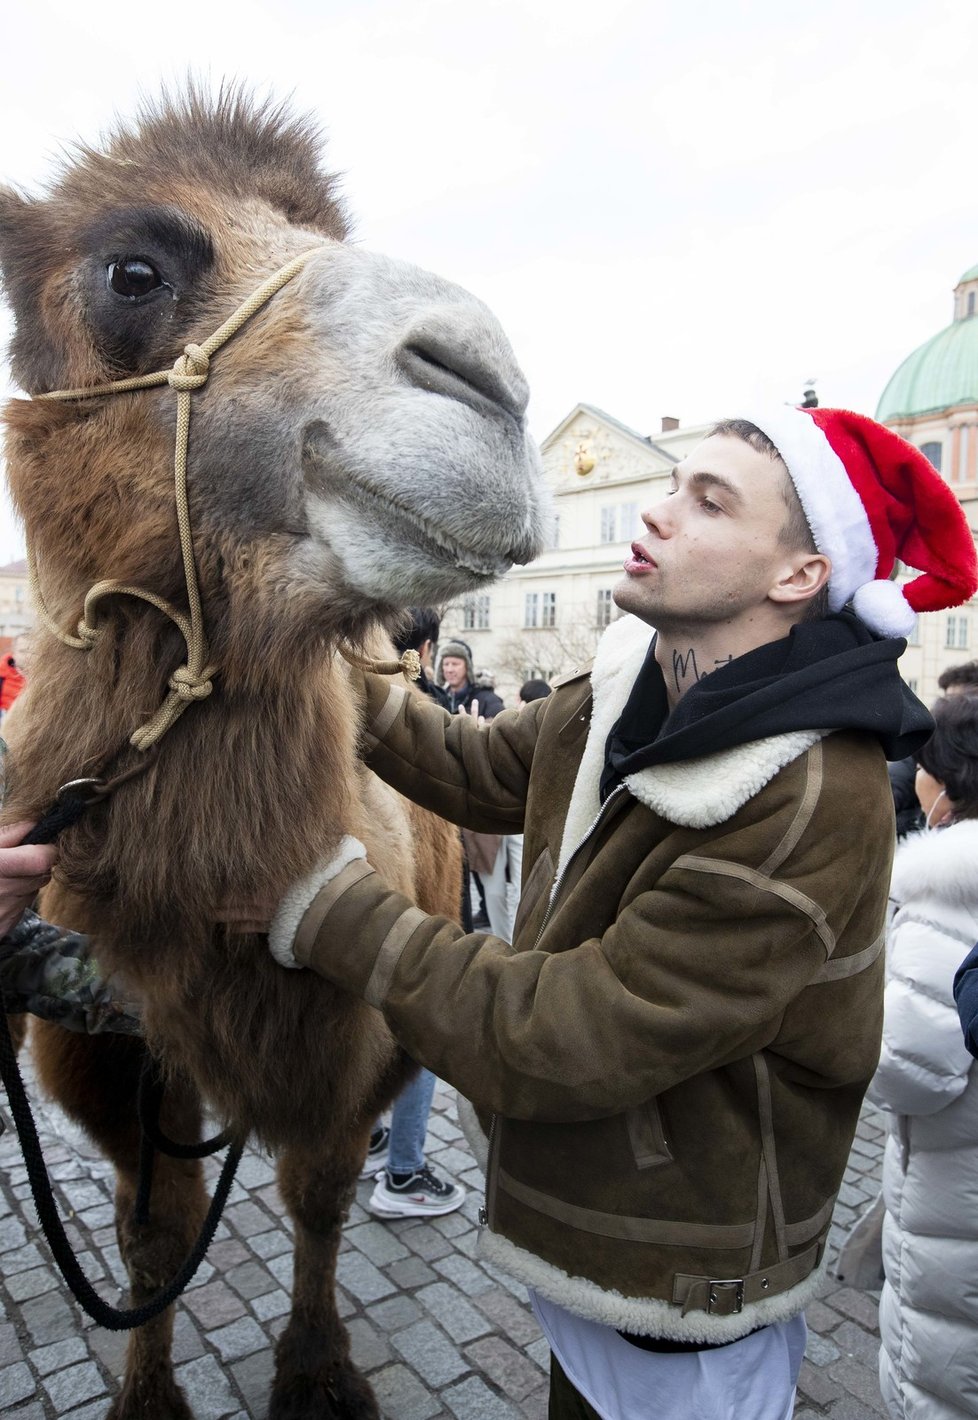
<point x="189" y="686"/>
<point x="89" y="634"/>
<point x="189" y="369"/>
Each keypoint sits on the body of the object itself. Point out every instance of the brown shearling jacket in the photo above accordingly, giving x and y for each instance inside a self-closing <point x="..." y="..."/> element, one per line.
<point x="676" y="1045"/>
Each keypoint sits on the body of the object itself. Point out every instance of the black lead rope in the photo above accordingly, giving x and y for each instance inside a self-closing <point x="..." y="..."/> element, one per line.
<point x="67" y="811"/>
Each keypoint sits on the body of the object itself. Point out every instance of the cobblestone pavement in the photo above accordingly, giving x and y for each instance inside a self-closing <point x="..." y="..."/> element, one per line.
<point x="439" y="1333"/>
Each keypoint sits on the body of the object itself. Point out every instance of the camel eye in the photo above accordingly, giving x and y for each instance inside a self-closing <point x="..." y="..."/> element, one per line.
<point x="132" y="277"/>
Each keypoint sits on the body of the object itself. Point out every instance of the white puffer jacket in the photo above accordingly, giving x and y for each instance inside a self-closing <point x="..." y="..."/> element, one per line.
<point x="929" y="1082"/>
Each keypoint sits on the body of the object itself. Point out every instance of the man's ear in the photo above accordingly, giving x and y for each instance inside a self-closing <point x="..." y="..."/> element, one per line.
<point x="803" y="578"/>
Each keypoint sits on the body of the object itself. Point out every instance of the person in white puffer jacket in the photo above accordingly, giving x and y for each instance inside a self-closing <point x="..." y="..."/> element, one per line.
<point x="928" y="1082"/>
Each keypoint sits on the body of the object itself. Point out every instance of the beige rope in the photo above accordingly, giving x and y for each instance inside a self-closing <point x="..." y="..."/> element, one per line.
<point x="409" y="663"/>
<point x="193" y="680"/>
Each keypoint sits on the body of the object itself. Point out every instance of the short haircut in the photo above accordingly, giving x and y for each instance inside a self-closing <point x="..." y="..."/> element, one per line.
<point x="424" y="626"/>
<point x="533" y="690"/>
<point x="795" y="534"/>
<point x="965" y="675"/>
<point x="951" y="753"/>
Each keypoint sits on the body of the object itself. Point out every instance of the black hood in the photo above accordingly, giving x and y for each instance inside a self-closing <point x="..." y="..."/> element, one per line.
<point x="831" y="674"/>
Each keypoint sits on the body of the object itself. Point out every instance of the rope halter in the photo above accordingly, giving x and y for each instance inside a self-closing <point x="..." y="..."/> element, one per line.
<point x="194" y="679"/>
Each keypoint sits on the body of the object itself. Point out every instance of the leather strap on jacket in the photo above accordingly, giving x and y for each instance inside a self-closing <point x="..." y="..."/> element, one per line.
<point x="725" y="1296"/>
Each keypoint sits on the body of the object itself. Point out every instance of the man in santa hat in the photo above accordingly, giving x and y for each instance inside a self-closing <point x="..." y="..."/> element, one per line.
<point x="669" y="1060"/>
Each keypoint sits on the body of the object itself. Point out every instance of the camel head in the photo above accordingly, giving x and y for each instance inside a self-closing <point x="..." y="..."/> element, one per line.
<point x="360" y="444"/>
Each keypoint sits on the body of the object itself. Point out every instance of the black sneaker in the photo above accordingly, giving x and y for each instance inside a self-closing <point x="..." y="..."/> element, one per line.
<point x="376" y="1159"/>
<point x="421" y="1195"/>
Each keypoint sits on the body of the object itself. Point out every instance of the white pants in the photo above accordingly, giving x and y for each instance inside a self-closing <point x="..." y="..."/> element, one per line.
<point x="502" y="897"/>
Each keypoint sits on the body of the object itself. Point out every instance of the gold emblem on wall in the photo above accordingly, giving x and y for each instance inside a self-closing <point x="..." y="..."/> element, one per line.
<point x="583" y="461"/>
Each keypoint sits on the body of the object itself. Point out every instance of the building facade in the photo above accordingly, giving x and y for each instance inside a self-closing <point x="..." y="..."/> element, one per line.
<point x="545" y="619"/>
<point x="932" y="401"/>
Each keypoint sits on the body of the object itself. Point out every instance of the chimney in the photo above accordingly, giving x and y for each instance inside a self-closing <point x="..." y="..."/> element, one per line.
<point x="669" y="423"/>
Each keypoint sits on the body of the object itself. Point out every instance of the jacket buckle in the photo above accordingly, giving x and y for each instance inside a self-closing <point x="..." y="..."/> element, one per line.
<point x="725" y="1296"/>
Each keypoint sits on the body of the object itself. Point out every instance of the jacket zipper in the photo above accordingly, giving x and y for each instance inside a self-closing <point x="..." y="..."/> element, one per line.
<point x="554" y="895"/>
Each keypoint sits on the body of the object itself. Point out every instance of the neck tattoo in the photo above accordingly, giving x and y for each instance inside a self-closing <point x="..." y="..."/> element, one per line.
<point x="685" y="667"/>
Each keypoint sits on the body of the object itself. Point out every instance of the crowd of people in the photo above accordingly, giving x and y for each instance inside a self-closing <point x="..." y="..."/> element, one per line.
<point x="667" y="1047"/>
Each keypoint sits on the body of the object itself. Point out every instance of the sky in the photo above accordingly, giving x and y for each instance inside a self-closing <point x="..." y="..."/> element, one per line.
<point x="675" y="209"/>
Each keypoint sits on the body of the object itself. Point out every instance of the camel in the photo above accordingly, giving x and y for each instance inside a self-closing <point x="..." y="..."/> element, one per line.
<point x="358" y="445"/>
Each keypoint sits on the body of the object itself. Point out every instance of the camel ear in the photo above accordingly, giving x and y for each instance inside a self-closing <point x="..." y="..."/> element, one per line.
<point x="28" y="245"/>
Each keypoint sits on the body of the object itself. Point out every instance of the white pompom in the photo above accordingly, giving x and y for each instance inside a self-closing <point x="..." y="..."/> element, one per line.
<point x="884" y="608"/>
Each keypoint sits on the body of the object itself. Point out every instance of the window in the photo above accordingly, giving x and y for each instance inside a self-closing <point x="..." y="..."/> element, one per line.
<point x="971" y="303"/>
<point x="553" y="541"/>
<point x="531" y="609"/>
<point x="933" y="452"/>
<point x="914" y="638"/>
<point x="956" y="633"/>
<point x="548" y="609"/>
<point x="605" y="605"/>
<point x="475" y="612"/>
<point x="619" y="522"/>
<point x="912" y="684"/>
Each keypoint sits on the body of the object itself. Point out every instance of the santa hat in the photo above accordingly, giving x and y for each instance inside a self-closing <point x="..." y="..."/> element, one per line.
<point x="870" y="498"/>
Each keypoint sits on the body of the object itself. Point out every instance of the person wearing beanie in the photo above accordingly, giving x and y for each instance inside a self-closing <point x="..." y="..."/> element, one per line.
<point x="457" y="674"/>
<point x="666" y="1066"/>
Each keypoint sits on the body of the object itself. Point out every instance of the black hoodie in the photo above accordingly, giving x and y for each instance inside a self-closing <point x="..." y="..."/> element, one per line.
<point x="831" y="674"/>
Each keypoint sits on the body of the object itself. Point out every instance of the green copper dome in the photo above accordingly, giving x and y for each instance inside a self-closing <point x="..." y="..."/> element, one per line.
<point x="943" y="372"/>
<point x="938" y="375"/>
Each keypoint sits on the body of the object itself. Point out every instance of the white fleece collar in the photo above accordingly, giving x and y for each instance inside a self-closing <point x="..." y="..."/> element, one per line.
<point x="696" y="793"/>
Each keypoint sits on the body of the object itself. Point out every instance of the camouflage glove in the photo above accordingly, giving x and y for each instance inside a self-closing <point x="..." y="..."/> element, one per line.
<point x="51" y="973"/>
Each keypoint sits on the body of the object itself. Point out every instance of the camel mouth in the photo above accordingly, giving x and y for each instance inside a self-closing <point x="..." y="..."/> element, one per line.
<point x="326" y="480"/>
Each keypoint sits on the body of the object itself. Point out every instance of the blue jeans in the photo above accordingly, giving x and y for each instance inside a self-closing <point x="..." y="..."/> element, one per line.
<point x="409" y="1124"/>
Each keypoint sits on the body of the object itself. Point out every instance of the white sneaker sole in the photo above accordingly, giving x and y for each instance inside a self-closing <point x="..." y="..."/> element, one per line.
<point x="409" y="1209"/>
<point x="373" y="1167"/>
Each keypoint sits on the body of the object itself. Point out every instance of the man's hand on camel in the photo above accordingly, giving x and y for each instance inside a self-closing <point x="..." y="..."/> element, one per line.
<point x="23" y="872"/>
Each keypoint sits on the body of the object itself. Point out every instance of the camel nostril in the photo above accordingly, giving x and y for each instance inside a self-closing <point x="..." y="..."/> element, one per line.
<point x="433" y="362"/>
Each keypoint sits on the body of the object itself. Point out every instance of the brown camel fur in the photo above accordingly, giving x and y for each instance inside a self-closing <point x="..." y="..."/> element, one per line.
<point x="359" y="445"/>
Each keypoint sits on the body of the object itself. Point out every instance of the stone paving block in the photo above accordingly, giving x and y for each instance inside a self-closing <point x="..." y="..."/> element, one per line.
<point x="96" y="1411"/>
<point x="255" y="1171"/>
<point x="516" y="1375"/>
<point x="241" y="1338"/>
<point x="428" y="1351"/>
<point x="369" y="1347"/>
<point x="227" y="1254"/>
<point x="410" y="1272"/>
<point x="282" y="1269"/>
<point x="49" y="1318"/>
<point x="854" y="1341"/>
<point x="21" y="1259"/>
<point x="83" y="1194"/>
<point x="849" y="1408"/>
<point x="99" y="1217"/>
<point x="394" y="1315"/>
<point x="443" y="1128"/>
<point x="857" y="1305"/>
<point x="31" y="1412"/>
<point x="502" y="1279"/>
<point x="187" y="1343"/>
<point x="46" y="1359"/>
<point x="468" y="1243"/>
<point x="453" y="1160"/>
<point x="214" y="1305"/>
<point x="377" y="1242"/>
<point x="450" y="1309"/>
<point x="816" y="1385"/>
<point x="10" y="1347"/>
<point x="536" y="1405"/>
<point x="361" y="1278"/>
<point x="539" y="1351"/>
<point x="206" y="1383"/>
<point x="16" y="1384"/>
<point x="401" y="1396"/>
<point x="270" y="1244"/>
<point x="427" y="1243"/>
<point x="67" y="1389"/>
<point x="473" y="1400"/>
<point x="12" y="1234"/>
<point x="251" y="1280"/>
<point x="35" y="1283"/>
<point x="272" y="1304"/>
<point x="253" y="1377"/>
<point x="820" y="1350"/>
<point x="247" y="1218"/>
<point x="109" y="1347"/>
<point x="508" y="1316"/>
<point x="821" y="1318"/>
<point x="466" y="1275"/>
<point x="450" y="1225"/>
<point x="860" y="1380"/>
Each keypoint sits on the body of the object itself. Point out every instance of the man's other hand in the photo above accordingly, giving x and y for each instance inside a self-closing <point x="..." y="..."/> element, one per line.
<point x="23" y="872"/>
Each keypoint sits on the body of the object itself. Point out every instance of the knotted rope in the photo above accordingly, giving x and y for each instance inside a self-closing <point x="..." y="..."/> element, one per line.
<point x="194" y="679"/>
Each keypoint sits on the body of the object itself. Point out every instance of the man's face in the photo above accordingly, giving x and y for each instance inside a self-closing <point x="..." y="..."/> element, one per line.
<point x="711" y="549"/>
<point x="453" y="668"/>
